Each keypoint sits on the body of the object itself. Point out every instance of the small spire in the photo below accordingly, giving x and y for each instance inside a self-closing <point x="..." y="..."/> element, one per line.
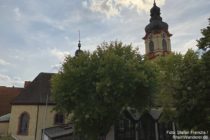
<point x="79" y="35"/>
<point x="79" y="44"/>
<point x="154" y="3"/>
<point x="79" y="51"/>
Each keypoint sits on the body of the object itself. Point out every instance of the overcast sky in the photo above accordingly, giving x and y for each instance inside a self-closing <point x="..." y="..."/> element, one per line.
<point x="35" y="35"/>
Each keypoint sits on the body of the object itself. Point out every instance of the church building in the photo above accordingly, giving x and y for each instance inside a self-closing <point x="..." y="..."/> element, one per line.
<point x="33" y="116"/>
<point x="32" y="110"/>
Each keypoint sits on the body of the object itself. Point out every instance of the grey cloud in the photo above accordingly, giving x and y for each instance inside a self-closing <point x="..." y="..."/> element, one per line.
<point x="113" y="7"/>
<point x="3" y="62"/>
<point x="36" y="34"/>
<point x="6" y="80"/>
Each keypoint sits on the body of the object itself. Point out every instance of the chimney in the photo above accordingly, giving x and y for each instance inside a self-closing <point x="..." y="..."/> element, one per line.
<point x="27" y="83"/>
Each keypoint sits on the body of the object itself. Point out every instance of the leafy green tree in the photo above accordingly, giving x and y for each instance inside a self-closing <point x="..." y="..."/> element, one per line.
<point x="96" y="87"/>
<point x="167" y="69"/>
<point x="204" y="42"/>
<point x="191" y="93"/>
<point x="183" y="89"/>
<point x="205" y="61"/>
<point x="193" y="87"/>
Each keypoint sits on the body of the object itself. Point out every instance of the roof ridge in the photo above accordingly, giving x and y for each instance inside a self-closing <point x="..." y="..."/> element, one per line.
<point x="37" y="91"/>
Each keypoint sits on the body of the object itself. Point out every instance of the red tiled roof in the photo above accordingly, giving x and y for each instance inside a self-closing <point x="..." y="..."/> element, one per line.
<point x="7" y="94"/>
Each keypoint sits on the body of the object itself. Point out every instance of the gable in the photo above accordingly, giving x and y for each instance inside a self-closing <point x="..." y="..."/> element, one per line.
<point x="37" y="92"/>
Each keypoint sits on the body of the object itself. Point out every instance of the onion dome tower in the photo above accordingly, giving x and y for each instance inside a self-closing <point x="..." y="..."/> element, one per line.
<point x="157" y="38"/>
<point x="78" y="51"/>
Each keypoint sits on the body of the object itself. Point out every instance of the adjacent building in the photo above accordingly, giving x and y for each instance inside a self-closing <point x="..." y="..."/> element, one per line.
<point x="33" y="110"/>
<point x="7" y="94"/>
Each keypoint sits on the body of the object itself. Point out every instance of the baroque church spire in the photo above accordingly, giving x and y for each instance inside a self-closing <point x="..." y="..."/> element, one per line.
<point x="156" y="22"/>
<point x="157" y="38"/>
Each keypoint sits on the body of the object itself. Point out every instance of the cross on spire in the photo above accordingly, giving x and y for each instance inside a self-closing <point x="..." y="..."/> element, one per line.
<point x="79" y="44"/>
<point x="79" y="35"/>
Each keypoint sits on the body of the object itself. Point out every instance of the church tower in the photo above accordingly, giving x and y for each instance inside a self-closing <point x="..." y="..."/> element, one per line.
<point x="157" y="38"/>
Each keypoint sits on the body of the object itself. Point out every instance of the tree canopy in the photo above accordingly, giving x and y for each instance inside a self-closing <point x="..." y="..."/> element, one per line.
<point x="204" y="42"/>
<point x="96" y="87"/>
<point x="192" y="97"/>
<point x="183" y="89"/>
<point x="167" y="71"/>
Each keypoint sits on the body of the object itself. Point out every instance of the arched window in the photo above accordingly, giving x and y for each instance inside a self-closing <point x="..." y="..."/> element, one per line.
<point x="151" y="46"/>
<point x="23" y="123"/>
<point x="164" y="45"/>
<point x="59" y="118"/>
